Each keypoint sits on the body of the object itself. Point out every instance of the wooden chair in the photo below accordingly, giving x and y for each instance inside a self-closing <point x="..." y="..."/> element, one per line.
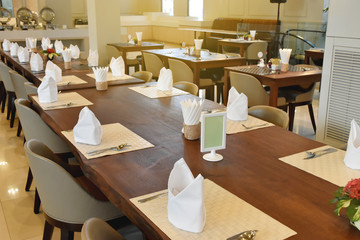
<point x="189" y="87"/>
<point x="153" y="64"/>
<point x="252" y="51"/>
<point x="30" y="88"/>
<point x="95" y="229"/>
<point x="5" y="76"/>
<point x="270" y="114"/>
<point x="143" y="75"/>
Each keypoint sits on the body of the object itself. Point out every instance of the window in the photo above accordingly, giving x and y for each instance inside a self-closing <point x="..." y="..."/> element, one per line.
<point x="196" y="8"/>
<point x="168" y="7"/>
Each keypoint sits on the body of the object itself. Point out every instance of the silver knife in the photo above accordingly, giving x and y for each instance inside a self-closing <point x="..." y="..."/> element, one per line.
<point x="247" y="235"/>
<point x="163" y="194"/>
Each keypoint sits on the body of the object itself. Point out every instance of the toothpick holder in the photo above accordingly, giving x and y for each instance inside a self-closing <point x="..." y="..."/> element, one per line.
<point x="284" y="67"/>
<point x="192" y="132"/>
<point x="102" y="86"/>
<point x="67" y="65"/>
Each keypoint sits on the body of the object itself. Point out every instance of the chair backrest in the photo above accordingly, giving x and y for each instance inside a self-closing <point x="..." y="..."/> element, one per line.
<point x="95" y="229"/>
<point x="153" y="64"/>
<point x="30" y="88"/>
<point x="143" y="75"/>
<point x="270" y="114"/>
<point x="18" y="83"/>
<point x="253" y="50"/>
<point x="35" y="128"/>
<point x="189" y="87"/>
<point x="62" y="198"/>
<point x="5" y="77"/>
<point x="180" y="71"/>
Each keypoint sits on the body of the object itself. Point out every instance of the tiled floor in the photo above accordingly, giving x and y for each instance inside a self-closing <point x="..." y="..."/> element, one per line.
<point x="17" y="220"/>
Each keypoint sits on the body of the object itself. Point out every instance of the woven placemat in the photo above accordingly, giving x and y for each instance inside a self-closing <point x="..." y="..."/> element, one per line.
<point x="330" y="167"/>
<point x="110" y="77"/>
<point x="153" y="92"/>
<point x="251" y="123"/>
<point x="113" y="135"/>
<point x="69" y="80"/>
<point x="74" y="98"/>
<point x="226" y="215"/>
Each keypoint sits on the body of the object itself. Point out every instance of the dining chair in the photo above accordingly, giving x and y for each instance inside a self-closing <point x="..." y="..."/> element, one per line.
<point x="5" y="76"/>
<point x="3" y="95"/>
<point x="189" y="87"/>
<point x="270" y="114"/>
<point x="300" y="95"/>
<point x="66" y="204"/>
<point x="143" y="75"/>
<point x="153" y="64"/>
<point x="95" y="229"/>
<point x="252" y="88"/>
<point x="30" y="88"/>
<point x="252" y="51"/>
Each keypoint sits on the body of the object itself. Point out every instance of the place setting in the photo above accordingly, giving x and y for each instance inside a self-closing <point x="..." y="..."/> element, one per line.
<point x="117" y="67"/>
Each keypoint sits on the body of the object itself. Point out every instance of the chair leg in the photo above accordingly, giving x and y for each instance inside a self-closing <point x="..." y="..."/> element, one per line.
<point x="13" y="112"/>
<point x="3" y="103"/>
<point x="19" y="129"/>
<point x="48" y="231"/>
<point x="8" y="107"/>
<point x="29" y="180"/>
<point x="37" y="202"/>
<point x="66" y="235"/>
<point x="311" y="112"/>
<point x="291" y="116"/>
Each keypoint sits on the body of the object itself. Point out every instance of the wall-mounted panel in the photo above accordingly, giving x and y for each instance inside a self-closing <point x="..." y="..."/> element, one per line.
<point x="262" y="8"/>
<point x="236" y="8"/>
<point x="295" y="8"/>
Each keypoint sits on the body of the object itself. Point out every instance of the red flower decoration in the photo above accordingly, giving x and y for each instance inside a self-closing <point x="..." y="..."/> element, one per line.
<point x="352" y="188"/>
<point x="50" y="50"/>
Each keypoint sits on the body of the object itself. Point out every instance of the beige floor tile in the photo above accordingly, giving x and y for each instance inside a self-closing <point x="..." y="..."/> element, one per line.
<point x="4" y="232"/>
<point x="13" y="183"/>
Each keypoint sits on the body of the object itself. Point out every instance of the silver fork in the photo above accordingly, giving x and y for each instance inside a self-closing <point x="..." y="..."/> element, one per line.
<point x="116" y="148"/>
<point x="60" y="105"/>
<point x="319" y="153"/>
<point x="254" y="126"/>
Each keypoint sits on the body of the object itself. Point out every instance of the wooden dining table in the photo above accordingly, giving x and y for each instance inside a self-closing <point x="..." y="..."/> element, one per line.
<point x="273" y="79"/>
<point x="250" y="169"/>
<point x="241" y="44"/>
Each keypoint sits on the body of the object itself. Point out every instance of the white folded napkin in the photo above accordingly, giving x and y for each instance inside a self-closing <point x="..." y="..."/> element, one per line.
<point x="139" y="36"/>
<point x="191" y="111"/>
<point x="237" y="107"/>
<point x="30" y="42"/>
<point x="75" y="51"/>
<point x="23" y="54"/>
<point x="47" y="90"/>
<point x="66" y="54"/>
<point x="53" y="71"/>
<point x="13" y="49"/>
<point x="36" y="62"/>
<point x="88" y="128"/>
<point x="198" y="43"/>
<point x="93" y="59"/>
<point x="117" y="66"/>
<point x="186" y="208"/>
<point x="59" y="47"/>
<point x="45" y="43"/>
<point x="100" y="73"/>
<point x="352" y="156"/>
<point x="6" y="45"/>
<point x="165" y="80"/>
<point x="285" y="54"/>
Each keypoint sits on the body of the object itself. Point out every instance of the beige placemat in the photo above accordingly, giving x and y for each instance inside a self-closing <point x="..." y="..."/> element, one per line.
<point x="153" y="92"/>
<point x="113" y="135"/>
<point x="69" y="80"/>
<point x="226" y="215"/>
<point x="110" y="77"/>
<point x="251" y="123"/>
<point x="330" y="167"/>
<point x="74" y="98"/>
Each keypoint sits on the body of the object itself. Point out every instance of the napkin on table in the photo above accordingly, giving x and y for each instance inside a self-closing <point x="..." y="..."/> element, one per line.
<point x="59" y="47"/>
<point x="6" y="45"/>
<point x="186" y="208"/>
<point x="139" y="36"/>
<point x="191" y="111"/>
<point x="23" y="54"/>
<point x="237" y="108"/>
<point x="88" y="128"/>
<point x="117" y="66"/>
<point x="30" y="42"/>
<point x="285" y="54"/>
<point x="66" y="55"/>
<point x="54" y="71"/>
<point x="100" y="73"/>
<point x="198" y="43"/>
<point x="93" y="59"/>
<point x="352" y="156"/>
<point x="75" y="51"/>
<point x="47" y="90"/>
<point x="13" y="49"/>
<point x="165" y="80"/>
<point x="36" y="62"/>
<point x="45" y="43"/>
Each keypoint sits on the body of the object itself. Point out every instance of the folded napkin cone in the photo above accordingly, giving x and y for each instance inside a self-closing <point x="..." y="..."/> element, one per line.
<point x="237" y="108"/>
<point x="100" y="73"/>
<point x="59" y="47"/>
<point x="6" y="45"/>
<point x="88" y="128"/>
<point x="30" y="42"/>
<point x="93" y="59"/>
<point x="75" y="51"/>
<point x="352" y="156"/>
<point x="45" y="43"/>
<point x="117" y="66"/>
<point x="165" y="80"/>
<point x="66" y="55"/>
<point x="186" y="208"/>
<point x="54" y="71"/>
<point x="23" y="54"/>
<point x="47" y="90"/>
<point x="13" y="49"/>
<point x="36" y="62"/>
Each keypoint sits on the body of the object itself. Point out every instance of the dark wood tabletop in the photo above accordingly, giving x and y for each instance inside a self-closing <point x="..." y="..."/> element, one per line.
<point x="250" y="169"/>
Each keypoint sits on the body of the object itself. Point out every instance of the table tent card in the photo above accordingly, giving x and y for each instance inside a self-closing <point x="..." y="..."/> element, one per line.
<point x="45" y="43"/>
<point x="117" y="66"/>
<point x="165" y="81"/>
<point x="23" y="54"/>
<point x="352" y="157"/>
<point x="54" y="71"/>
<point x="93" y="58"/>
<point x="237" y="108"/>
<point x="59" y="47"/>
<point x="88" y="128"/>
<point x="186" y="208"/>
<point x="6" y="45"/>
<point x="13" y="49"/>
<point x="47" y="91"/>
<point x="75" y="51"/>
<point x="36" y="62"/>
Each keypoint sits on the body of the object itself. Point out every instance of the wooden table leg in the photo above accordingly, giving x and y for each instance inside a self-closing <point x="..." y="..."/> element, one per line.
<point x="226" y="85"/>
<point x="196" y="75"/>
<point x="274" y="91"/>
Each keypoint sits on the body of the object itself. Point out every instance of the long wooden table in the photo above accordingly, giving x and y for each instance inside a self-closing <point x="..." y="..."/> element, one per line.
<point x="250" y="169"/>
<point x="241" y="44"/>
<point x="273" y="79"/>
